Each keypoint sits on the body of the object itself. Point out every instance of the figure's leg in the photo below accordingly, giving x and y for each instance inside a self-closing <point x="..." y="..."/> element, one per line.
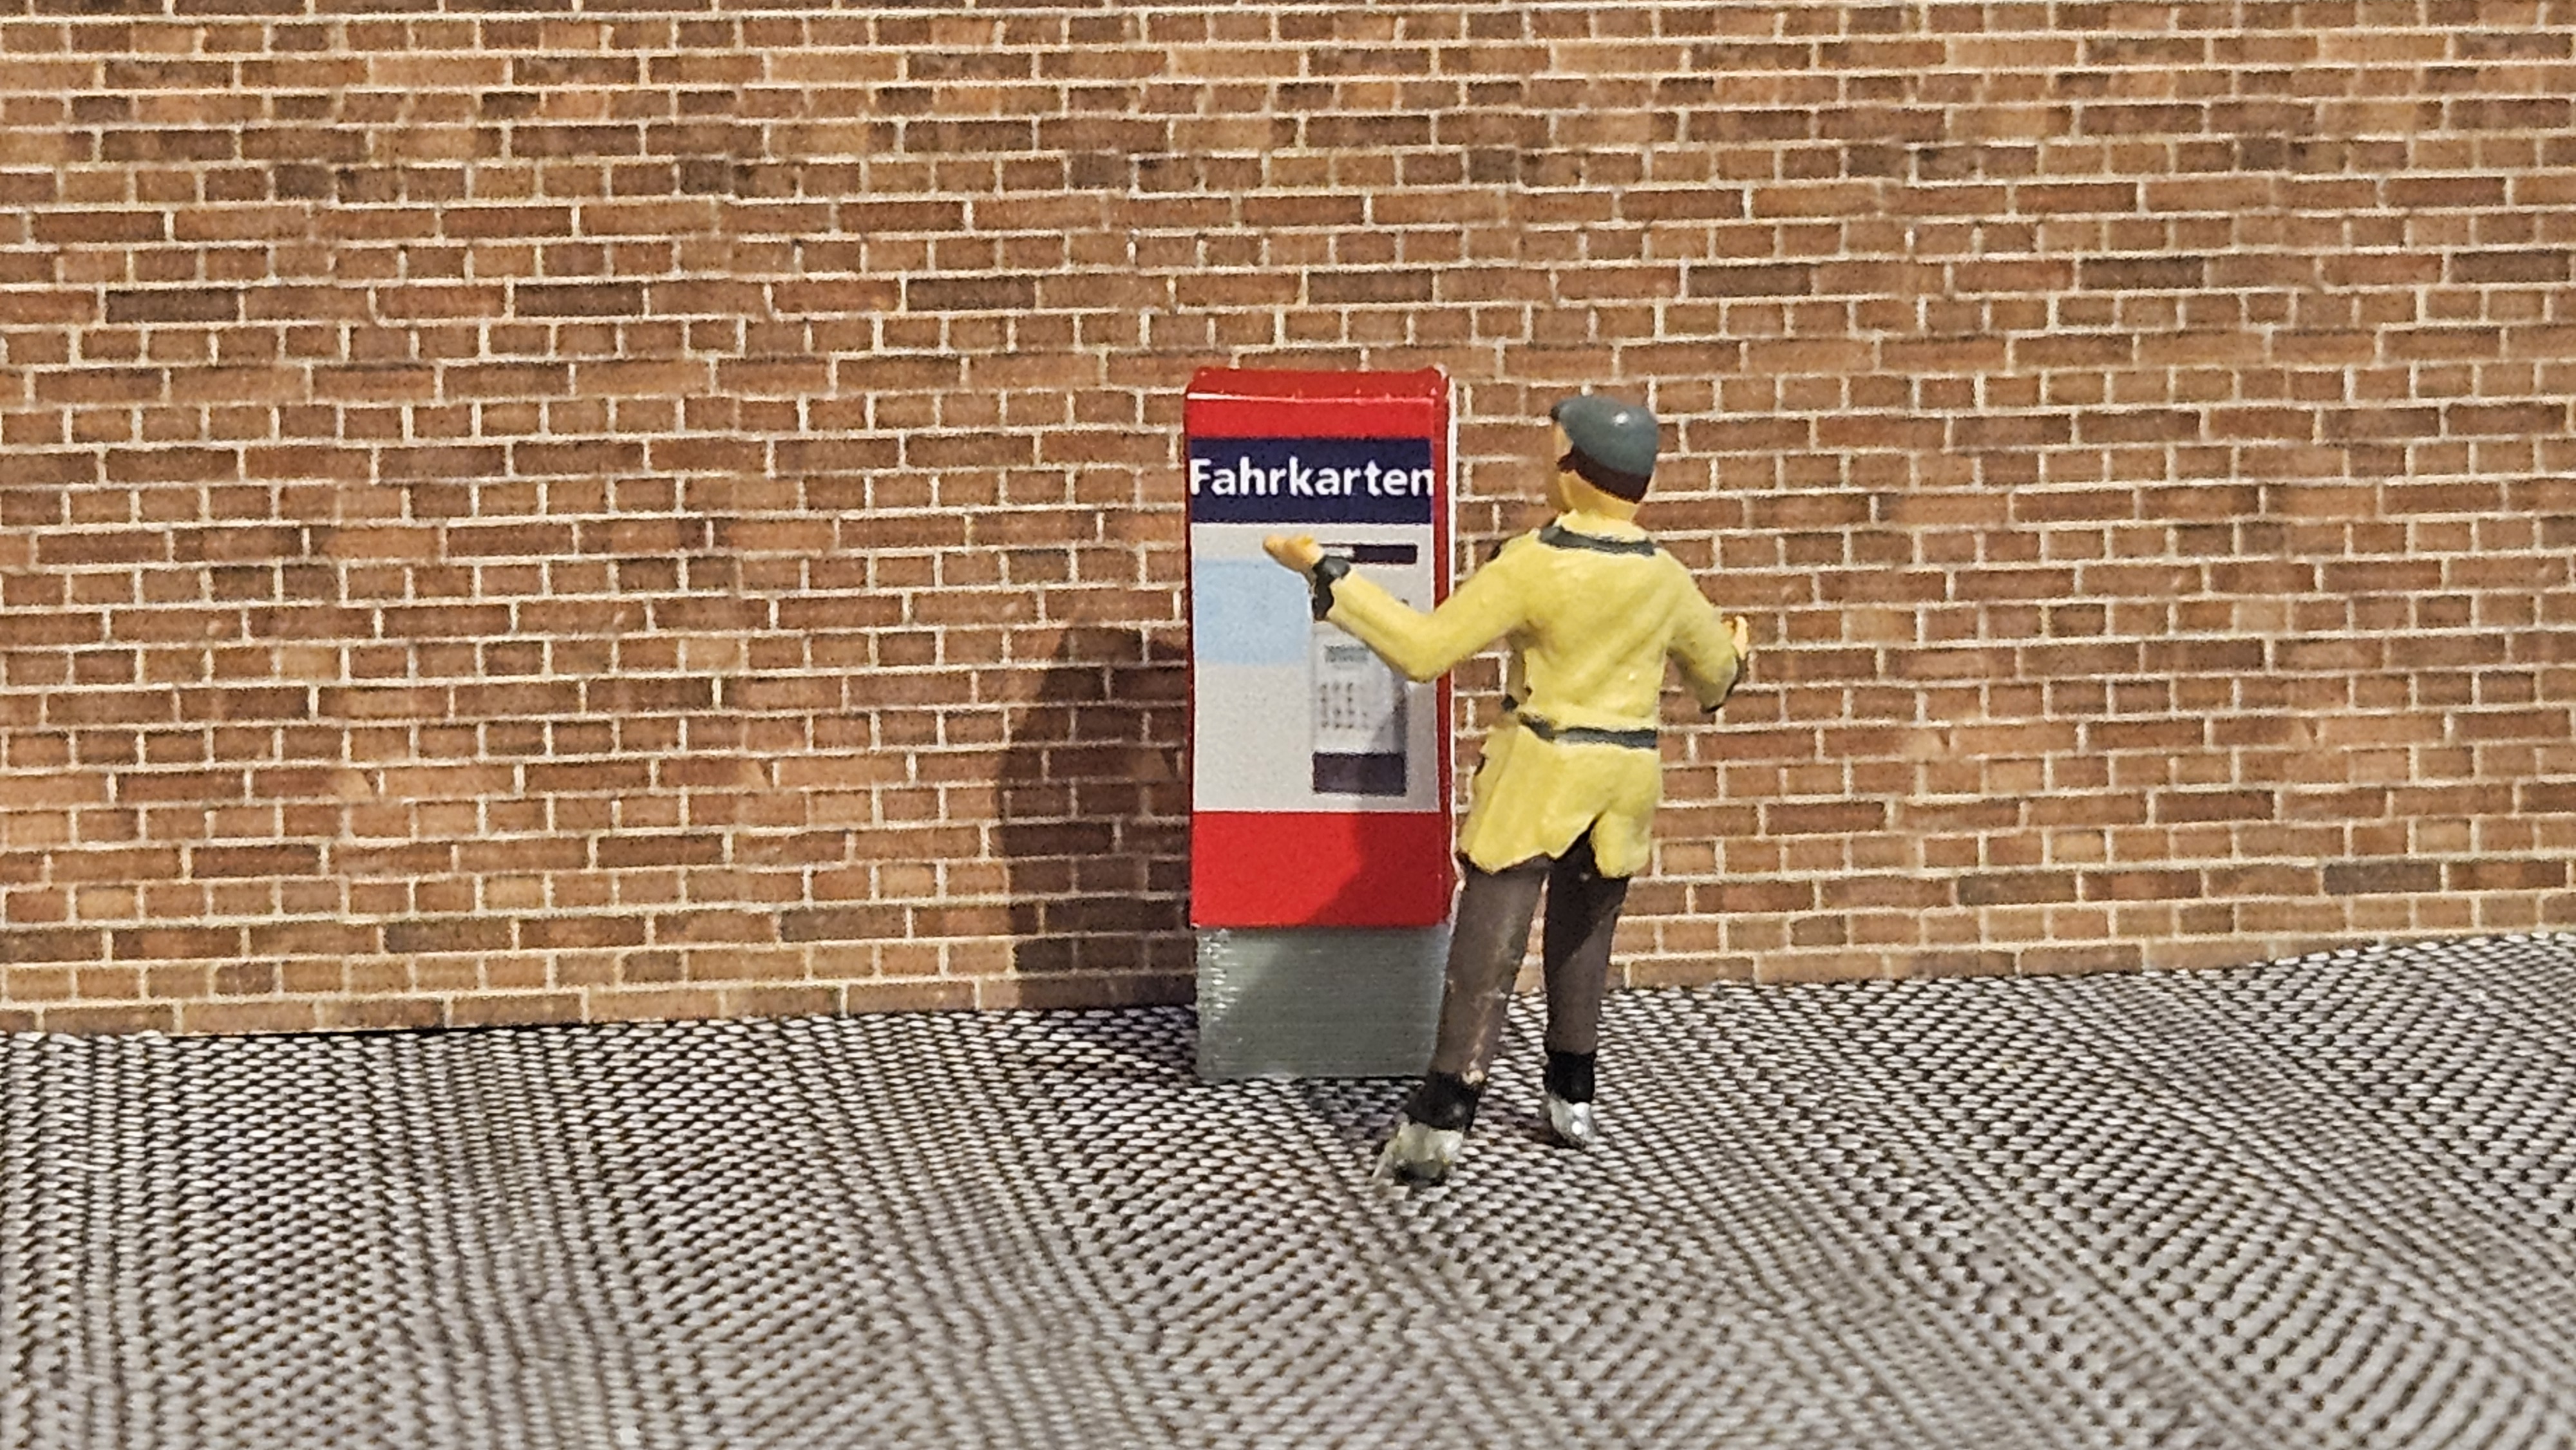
<point x="1582" y="916"/>
<point x="1485" y="948"/>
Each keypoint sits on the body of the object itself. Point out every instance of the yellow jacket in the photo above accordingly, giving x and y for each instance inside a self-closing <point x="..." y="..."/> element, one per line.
<point x="1590" y="608"/>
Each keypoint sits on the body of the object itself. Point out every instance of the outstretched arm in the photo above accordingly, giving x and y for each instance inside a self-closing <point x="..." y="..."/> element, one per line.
<point x="1421" y="646"/>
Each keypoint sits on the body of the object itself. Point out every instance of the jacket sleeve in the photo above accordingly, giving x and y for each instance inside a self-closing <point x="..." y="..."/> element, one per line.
<point x="1424" y="646"/>
<point x="1704" y="649"/>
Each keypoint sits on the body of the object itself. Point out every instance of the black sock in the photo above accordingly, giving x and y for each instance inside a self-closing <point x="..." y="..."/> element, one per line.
<point x="1569" y="1076"/>
<point x="1445" y="1101"/>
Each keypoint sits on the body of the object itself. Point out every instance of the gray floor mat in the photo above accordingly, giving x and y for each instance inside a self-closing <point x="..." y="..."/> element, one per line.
<point x="2318" y="1203"/>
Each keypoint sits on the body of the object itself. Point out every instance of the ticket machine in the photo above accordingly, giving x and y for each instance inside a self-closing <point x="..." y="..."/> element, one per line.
<point x="1320" y="874"/>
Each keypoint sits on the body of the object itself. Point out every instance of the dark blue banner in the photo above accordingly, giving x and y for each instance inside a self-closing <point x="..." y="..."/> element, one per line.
<point x="1311" y="481"/>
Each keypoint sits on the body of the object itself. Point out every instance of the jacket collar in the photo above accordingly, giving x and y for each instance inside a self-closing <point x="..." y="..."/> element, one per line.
<point x="1599" y="526"/>
<point x="1597" y="533"/>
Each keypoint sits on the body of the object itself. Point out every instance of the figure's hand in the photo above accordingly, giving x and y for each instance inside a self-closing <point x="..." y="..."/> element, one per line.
<point x="1741" y="634"/>
<point x="1299" y="552"/>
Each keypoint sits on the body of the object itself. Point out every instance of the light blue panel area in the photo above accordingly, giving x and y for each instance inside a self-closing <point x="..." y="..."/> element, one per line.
<point x="1248" y="612"/>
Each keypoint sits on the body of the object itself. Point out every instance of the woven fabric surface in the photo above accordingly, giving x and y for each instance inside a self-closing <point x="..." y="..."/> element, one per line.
<point x="2323" y="1203"/>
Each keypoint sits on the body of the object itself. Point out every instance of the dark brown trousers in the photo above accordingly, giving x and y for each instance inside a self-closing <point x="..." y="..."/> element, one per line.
<point x="1491" y="936"/>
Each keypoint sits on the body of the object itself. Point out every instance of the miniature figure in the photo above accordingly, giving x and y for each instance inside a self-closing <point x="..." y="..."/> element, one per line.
<point x="1563" y="799"/>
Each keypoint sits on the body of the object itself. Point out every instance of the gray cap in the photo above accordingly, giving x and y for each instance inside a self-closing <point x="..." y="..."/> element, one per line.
<point x="1618" y="436"/>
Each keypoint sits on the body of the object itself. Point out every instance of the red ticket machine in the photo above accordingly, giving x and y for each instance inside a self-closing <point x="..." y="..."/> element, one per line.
<point x="1320" y="834"/>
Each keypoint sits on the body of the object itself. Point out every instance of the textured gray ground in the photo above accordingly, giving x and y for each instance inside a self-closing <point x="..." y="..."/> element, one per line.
<point x="2323" y="1203"/>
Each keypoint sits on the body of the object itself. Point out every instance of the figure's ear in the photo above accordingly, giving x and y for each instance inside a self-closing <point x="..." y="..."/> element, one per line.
<point x="1560" y="483"/>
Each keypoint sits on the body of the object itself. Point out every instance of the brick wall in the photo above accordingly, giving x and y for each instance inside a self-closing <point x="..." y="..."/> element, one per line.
<point x="516" y="511"/>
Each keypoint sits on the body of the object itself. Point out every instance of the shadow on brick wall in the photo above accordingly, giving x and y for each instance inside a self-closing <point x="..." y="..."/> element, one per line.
<point x="1094" y="823"/>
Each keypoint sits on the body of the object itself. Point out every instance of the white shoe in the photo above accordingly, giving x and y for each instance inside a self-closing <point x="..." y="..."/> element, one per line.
<point x="1572" y="1123"/>
<point x="1419" y="1154"/>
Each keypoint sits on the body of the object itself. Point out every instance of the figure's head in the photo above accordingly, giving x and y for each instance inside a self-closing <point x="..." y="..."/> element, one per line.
<point x="1608" y="444"/>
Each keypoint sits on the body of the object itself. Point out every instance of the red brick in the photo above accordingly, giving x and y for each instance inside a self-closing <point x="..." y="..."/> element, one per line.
<point x="139" y="1017"/>
<point x="2141" y="885"/>
<point x="629" y="851"/>
<point x="20" y="944"/>
<point x="73" y="228"/>
<point x="908" y="996"/>
<point x="447" y="934"/>
<point x="169" y="943"/>
<point x="2504" y="875"/>
<point x="512" y="1009"/>
<point x="2365" y="878"/>
<point x="584" y="299"/>
<point x="378" y="1013"/>
<point x="629" y="499"/>
<point x="2016" y="888"/>
<point x="571" y="933"/>
<point x="2068" y="960"/>
<point x="2215" y="805"/>
<point x="311" y="938"/>
<point x="211" y="862"/>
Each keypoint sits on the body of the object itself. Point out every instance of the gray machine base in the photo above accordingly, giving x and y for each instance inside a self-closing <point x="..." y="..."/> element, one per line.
<point x="1318" y="1001"/>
